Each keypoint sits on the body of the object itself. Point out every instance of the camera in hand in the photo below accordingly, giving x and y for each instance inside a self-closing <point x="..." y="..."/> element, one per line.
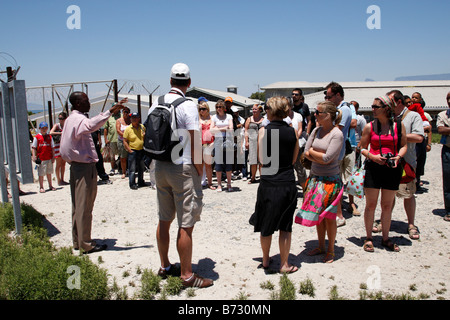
<point x="389" y="161"/>
<point x="38" y="161"/>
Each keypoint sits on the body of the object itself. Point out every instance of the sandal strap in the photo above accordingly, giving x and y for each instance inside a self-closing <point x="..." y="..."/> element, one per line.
<point x="390" y="245"/>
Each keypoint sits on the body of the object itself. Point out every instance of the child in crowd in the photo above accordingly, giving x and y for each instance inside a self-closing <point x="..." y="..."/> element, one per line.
<point x="43" y="155"/>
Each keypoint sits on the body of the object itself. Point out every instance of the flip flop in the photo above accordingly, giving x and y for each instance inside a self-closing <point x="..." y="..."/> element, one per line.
<point x="292" y="269"/>
<point x="265" y="268"/>
<point x="42" y="190"/>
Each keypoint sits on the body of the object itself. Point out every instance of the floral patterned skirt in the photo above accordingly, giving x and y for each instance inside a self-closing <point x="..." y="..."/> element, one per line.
<point x="320" y="200"/>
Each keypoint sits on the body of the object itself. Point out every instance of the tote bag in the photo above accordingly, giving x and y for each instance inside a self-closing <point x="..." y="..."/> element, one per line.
<point x="355" y="185"/>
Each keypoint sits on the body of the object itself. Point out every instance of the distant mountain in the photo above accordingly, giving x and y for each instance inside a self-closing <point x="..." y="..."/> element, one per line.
<point x="443" y="76"/>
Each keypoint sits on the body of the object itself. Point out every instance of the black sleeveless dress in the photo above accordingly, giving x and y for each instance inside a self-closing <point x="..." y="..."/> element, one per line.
<point x="277" y="192"/>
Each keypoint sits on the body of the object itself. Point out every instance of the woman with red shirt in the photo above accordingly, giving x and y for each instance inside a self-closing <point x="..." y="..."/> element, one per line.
<point x="383" y="171"/>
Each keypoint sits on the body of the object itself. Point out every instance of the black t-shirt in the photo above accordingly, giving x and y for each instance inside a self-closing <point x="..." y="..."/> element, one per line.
<point x="303" y="109"/>
<point x="286" y="147"/>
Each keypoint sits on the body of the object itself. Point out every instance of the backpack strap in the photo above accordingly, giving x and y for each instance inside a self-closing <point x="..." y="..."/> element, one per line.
<point x="175" y="103"/>
<point x="179" y="101"/>
<point x="399" y="134"/>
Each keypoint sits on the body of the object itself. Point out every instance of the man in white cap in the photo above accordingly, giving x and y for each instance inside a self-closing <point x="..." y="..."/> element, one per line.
<point x="178" y="185"/>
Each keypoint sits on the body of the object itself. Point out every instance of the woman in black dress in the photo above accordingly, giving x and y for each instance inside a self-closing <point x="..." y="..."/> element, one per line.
<point x="277" y="193"/>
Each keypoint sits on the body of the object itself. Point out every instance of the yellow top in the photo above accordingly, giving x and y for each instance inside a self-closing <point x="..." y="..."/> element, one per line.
<point x="135" y="136"/>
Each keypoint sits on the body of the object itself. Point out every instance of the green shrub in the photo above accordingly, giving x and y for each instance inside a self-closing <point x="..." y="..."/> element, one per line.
<point x="287" y="288"/>
<point x="150" y="285"/>
<point x="30" y="217"/>
<point x="307" y="287"/>
<point x="173" y="286"/>
<point x="32" y="269"/>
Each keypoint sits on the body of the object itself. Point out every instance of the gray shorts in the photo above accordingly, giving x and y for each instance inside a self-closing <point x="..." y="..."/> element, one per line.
<point x="406" y="190"/>
<point x="179" y="193"/>
<point x="114" y="147"/>
<point x="121" y="151"/>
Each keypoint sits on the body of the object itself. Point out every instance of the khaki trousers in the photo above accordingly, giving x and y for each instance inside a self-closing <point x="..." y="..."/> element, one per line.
<point x="83" y="189"/>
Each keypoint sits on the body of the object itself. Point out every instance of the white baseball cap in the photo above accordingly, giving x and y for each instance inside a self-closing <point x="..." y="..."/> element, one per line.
<point x="180" y="71"/>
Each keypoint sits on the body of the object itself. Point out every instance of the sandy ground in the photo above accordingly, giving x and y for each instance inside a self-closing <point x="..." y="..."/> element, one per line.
<point x="227" y="250"/>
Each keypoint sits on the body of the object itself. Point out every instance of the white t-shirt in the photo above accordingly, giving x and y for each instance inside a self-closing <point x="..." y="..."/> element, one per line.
<point x="296" y="118"/>
<point x="187" y="119"/>
<point x="222" y="123"/>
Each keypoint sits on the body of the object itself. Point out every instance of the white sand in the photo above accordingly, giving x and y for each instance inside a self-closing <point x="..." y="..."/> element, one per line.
<point x="227" y="250"/>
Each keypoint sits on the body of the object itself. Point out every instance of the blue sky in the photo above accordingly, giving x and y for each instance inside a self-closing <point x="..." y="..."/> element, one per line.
<point x="245" y="43"/>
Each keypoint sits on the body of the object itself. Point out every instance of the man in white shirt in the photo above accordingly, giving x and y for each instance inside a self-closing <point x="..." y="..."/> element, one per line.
<point x="178" y="184"/>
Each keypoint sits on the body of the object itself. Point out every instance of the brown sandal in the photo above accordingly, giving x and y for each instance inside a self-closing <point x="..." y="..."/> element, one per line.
<point x="329" y="257"/>
<point x="368" y="245"/>
<point x="413" y="233"/>
<point x="316" y="252"/>
<point x="390" y="245"/>
<point x="376" y="227"/>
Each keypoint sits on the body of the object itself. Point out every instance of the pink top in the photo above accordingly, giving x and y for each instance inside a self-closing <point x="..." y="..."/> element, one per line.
<point x="76" y="140"/>
<point x="387" y="142"/>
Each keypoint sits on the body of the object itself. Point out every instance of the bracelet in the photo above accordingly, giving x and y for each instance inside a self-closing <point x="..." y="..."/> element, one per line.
<point x="429" y="144"/>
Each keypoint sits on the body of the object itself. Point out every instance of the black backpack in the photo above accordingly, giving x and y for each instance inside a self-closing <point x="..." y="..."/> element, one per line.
<point x="160" y="126"/>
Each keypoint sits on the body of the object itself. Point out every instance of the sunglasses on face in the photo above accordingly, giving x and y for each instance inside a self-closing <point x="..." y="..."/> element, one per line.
<point x="202" y="109"/>
<point x="317" y="112"/>
<point x="377" y="107"/>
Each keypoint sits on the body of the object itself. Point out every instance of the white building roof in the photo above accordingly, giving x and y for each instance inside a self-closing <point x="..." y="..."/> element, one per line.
<point x="237" y="99"/>
<point x="433" y="92"/>
<point x="358" y="84"/>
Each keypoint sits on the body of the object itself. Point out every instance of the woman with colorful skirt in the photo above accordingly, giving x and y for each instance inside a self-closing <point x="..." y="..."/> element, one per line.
<point x="324" y="186"/>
